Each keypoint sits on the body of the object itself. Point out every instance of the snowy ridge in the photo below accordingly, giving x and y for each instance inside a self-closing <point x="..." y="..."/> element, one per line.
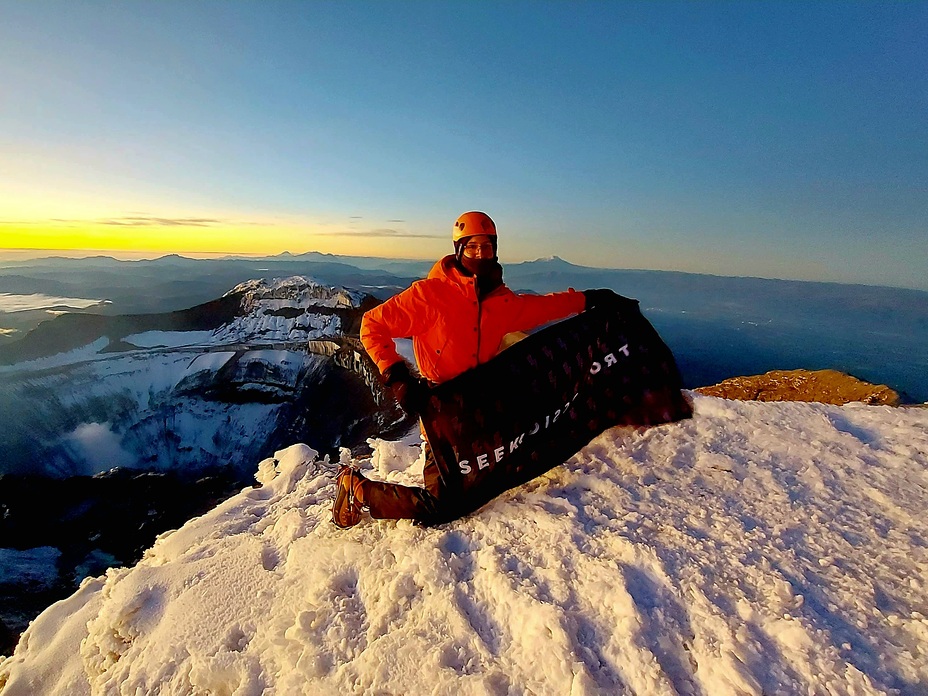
<point x="760" y="548"/>
<point x="287" y="309"/>
<point x="295" y="291"/>
<point x="263" y="324"/>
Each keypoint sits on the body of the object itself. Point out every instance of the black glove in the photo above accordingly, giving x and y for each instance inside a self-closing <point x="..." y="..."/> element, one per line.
<point x="607" y="299"/>
<point x="412" y="393"/>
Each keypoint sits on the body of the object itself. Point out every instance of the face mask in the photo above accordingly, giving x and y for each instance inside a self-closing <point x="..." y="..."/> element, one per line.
<point x="480" y="267"/>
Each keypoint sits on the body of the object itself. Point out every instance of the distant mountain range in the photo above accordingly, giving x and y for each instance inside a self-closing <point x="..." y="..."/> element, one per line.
<point x="718" y="326"/>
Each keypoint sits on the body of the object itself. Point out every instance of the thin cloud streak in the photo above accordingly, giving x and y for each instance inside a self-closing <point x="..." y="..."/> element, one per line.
<point x="381" y="233"/>
<point x="146" y="221"/>
<point x="137" y="221"/>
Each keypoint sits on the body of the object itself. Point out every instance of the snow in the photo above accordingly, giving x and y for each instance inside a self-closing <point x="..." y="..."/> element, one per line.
<point x="262" y="326"/>
<point x="209" y="362"/>
<point x="760" y="548"/>
<point x="132" y="409"/>
<point x="162" y="404"/>
<point x="288" y="363"/>
<point x="278" y="293"/>
<point x="88" y="352"/>
<point x="404" y="348"/>
<point x="287" y="311"/>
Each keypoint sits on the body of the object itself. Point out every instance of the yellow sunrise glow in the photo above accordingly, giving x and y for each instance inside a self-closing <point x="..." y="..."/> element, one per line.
<point x="206" y="236"/>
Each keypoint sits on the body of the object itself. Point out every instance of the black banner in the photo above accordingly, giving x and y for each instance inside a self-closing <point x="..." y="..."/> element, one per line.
<point x="542" y="400"/>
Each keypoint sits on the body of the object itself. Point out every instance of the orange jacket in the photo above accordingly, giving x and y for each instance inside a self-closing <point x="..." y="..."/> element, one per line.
<point x="451" y="331"/>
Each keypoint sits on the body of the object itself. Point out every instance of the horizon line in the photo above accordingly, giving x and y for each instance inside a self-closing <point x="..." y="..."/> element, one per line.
<point x="219" y="256"/>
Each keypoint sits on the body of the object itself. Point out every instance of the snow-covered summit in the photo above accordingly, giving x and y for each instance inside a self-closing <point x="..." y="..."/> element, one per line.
<point x="759" y="548"/>
<point x="555" y="261"/>
<point x="295" y="291"/>
<point x="289" y="309"/>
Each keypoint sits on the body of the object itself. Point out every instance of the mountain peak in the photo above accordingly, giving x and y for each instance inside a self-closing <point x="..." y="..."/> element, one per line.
<point x="265" y="286"/>
<point x="172" y="259"/>
<point x="278" y="307"/>
<point x="552" y="262"/>
<point x="297" y="291"/>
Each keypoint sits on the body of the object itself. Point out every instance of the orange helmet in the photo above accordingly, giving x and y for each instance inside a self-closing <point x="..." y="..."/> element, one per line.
<point x="472" y="223"/>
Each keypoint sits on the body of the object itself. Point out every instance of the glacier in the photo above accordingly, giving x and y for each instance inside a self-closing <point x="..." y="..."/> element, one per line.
<point x="759" y="548"/>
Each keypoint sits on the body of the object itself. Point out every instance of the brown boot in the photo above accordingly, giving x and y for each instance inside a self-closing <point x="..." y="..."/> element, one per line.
<point x="349" y="498"/>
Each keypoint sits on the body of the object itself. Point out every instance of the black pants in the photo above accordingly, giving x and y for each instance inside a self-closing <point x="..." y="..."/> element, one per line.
<point x="427" y="506"/>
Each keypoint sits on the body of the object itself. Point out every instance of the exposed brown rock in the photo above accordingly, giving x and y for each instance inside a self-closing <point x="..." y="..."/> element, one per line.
<point x="823" y="386"/>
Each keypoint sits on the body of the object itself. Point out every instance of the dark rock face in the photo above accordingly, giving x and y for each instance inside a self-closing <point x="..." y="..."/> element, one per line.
<point x="119" y="512"/>
<point x="822" y="386"/>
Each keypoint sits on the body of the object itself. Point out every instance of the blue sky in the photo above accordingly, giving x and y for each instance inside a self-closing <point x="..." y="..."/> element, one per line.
<point x="773" y="139"/>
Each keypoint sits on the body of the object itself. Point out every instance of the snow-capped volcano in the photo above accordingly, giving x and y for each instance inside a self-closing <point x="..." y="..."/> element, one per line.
<point x="759" y="548"/>
<point x="209" y="386"/>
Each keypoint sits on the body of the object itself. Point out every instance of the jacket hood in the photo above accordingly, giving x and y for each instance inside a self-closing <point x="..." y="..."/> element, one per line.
<point x="446" y="269"/>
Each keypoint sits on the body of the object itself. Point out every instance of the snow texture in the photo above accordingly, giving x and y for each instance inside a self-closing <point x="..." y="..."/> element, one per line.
<point x="759" y="548"/>
<point x="146" y="410"/>
<point x="89" y="352"/>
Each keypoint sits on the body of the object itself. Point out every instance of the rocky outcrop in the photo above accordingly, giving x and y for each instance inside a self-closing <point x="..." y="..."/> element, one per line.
<point x="823" y="386"/>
